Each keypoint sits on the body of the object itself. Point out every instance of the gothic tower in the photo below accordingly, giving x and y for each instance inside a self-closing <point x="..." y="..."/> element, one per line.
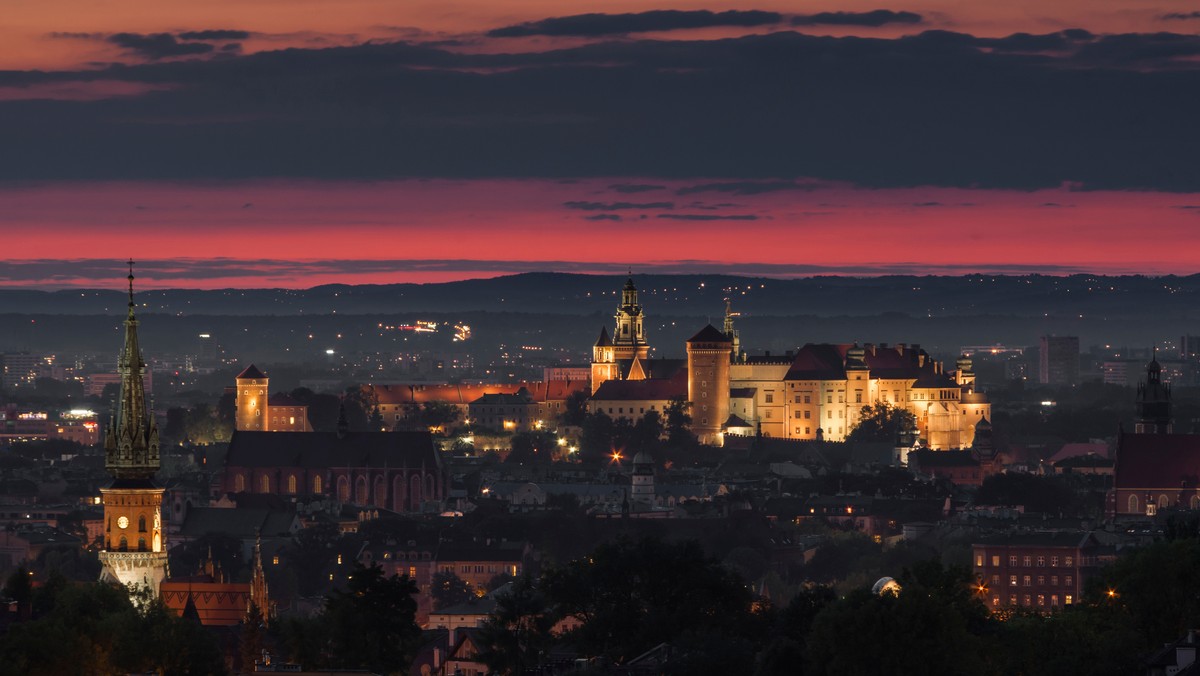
<point x="708" y="354"/>
<point x="1153" y="403"/>
<point x="629" y="339"/>
<point x="731" y="333"/>
<point x="251" y="398"/>
<point x="135" y="552"/>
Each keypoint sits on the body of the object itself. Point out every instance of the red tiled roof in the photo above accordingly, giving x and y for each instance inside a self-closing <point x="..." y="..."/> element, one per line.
<point x="1158" y="461"/>
<point x="641" y="390"/>
<point x="553" y="390"/>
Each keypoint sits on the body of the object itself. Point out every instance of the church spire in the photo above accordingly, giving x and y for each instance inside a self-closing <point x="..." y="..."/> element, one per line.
<point x="131" y="445"/>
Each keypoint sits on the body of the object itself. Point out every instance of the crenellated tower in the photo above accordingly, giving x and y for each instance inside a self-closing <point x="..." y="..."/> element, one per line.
<point x="135" y="552"/>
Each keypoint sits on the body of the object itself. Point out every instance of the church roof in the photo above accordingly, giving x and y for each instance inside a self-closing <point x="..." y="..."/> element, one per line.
<point x="252" y="372"/>
<point x="281" y="399"/>
<point x="604" y="340"/>
<point x="239" y="522"/>
<point x="518" y="398"/>
<point x="709" y="334"/>
<point x="641" y="390"/>
<point x="323" y="450"/>
<point x="1159" y="461"/>
<point x="551" y="390"/>
<point x="735" y="421"/>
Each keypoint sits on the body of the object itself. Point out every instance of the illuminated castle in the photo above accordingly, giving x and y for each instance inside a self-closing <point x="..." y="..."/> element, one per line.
<point x="258" y="411"/>
<point x="817" y="392"/>
<point x="135" y="553"/>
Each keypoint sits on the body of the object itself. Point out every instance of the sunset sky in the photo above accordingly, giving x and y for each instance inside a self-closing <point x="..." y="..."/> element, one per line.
<point x="302" y="142"/>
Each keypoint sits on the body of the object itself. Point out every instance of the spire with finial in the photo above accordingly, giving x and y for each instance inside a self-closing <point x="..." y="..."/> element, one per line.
<point x="131" y="446"/>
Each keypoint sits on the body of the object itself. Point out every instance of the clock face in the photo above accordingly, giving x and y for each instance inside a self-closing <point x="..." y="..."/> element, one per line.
<point x="123" y="522"/>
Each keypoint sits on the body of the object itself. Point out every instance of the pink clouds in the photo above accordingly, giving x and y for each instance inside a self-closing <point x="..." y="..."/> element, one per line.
<point x="526" y="223"/>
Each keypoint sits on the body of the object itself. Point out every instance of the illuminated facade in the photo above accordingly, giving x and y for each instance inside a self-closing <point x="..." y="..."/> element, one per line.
<point x="817" y="392"/>
<point x="135" y="552"/>
<point x="258" y="411"/>
<point x="621" y="357"/>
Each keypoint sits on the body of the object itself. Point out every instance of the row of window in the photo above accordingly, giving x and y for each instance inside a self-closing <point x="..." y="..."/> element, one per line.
<point x="1025" y="561"/>
<point x="1068" y="580"/>
<point x="1027" y="600"/>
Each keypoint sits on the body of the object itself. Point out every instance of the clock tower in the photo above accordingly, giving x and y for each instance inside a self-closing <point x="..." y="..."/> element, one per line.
<point x="135" y="552"/>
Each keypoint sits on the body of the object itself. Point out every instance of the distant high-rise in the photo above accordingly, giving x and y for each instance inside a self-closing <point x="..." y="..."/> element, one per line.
<point x="1189" y="348"/>
<point x="1059" y="360"/>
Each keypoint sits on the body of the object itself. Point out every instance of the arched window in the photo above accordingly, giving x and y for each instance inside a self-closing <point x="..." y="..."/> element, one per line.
<point x="1133" y="504"/>
<point x="265" y="481"/>
<point x="141" y="544"/>
<point x="1195" y="502"/>
<point x="343" y="489"/>
<point x="360" y="490"/>
<point x="124" y="545"/>
<point x="291" y="483"/>
<point x="317" y="484"/>
<point x="398" y="494"/>
<point x="239" y="484"/>
<point x="1162" y="501"/>
<point x="430" y="491"/>
<point x="380" y="492"/>
<point x="142" y="523"/>
<point x="414" y="493"/>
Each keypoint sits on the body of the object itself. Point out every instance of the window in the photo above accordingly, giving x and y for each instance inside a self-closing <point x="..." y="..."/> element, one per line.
<point x="1041" y="580"/>
<point x="1041" y="599"/>
<point x="858" y="397"/>
<point x="1053" y="561"/>
<point x="266" y="484"/>
<point x="1069" y="580"/>
<point x="142" y="523"/>
<point x="239" y="484"/>
<point x="317" y="484"/>
<point x="291" y="483"/>
<point x="1067" y="599"/>
<point x="807" y="399"/>
<point x="412" y="571"/>
<point x="996" y="601"/>
<point x="1069" y="561"/>
<point x="797" y="399"/>
<point x="828" y="398"/>
<point x="808" y="415"/>
<point x="1012" y="580"/>
<point x="1054" y="600"/>
<point x="1025" y="561"/>
<point x="1028" y="600"/>
<point x="798" y="413"/>
<point x="1012" y="561"/>
<point x="995" y="580"/>
<point x="1012" y="600"/>
<point x="770" y="398"/>
<point x="979" y="560"/>
<point x="1053" y="580"/>
<point x="1133" y="506"/>
<point x="1028" y="580"/>
<point x="806" y="430"/>
<point x="1041" y="562"/>
<point x="995" y="559"/>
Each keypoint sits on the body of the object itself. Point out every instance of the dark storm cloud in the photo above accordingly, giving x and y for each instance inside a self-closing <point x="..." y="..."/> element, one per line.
<point x="1180" y="16"/>
<point x="635" y="187"/>
<point x="602" y="217"/>
<point x="214" y="34"/>
<point x="709" y="217"/>
<point x="592" y="25"/>
<point x="157" y="45"/>
<point x="615" y="206"/>
<point x="734" y="116"/>
<point x="874" y="18"/>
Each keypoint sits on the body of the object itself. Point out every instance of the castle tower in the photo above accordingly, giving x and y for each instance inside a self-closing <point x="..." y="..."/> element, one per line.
<point x="1153" y="403"/>
<point x="252" y="406"/>
<point x="731" y="333"/>
<point x="708" y="383"/>
<point x="135" y="552"/>
<point x="629" y="338"/>
<point x="965" y="373"/>
<point x="642" y="481"/>
<point x="604" y="365"/>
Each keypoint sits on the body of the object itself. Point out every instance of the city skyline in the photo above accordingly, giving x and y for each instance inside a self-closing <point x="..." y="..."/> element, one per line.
<point x="242" y="146"/>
